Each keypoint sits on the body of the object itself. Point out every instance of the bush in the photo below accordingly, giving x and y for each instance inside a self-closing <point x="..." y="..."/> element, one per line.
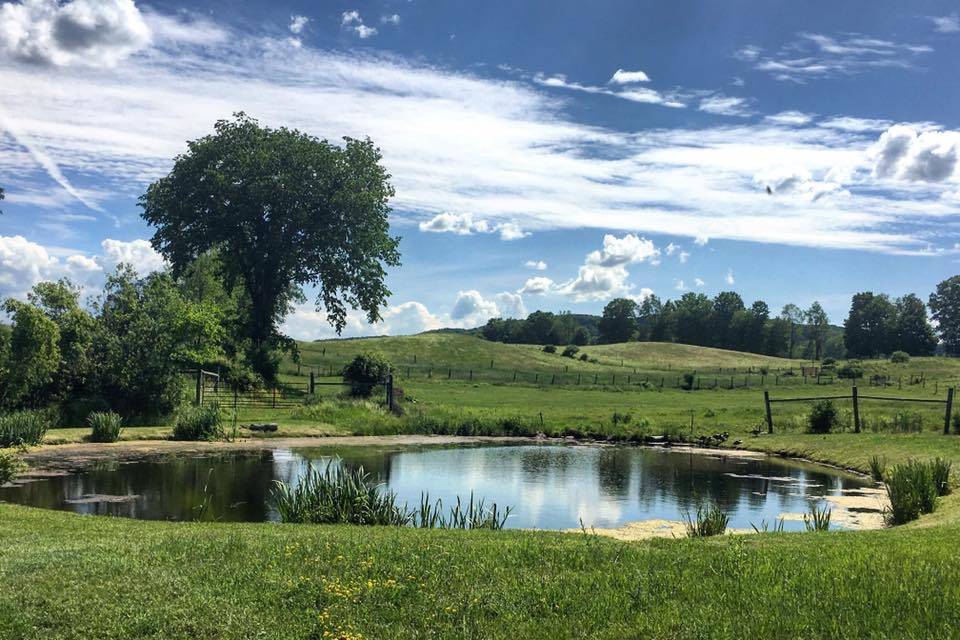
<point x="851" y="370"/>
<point x="688" y="380"/>
<point x="10" y="465"/>
<point x="823" y="417"/>
<point x="899" y="357"/>
<point x="817" y="519"/>
<point x="105" y="426"/>
<point x="549" y="349"/>
<point x="571" y="351"/>
<point x="23" y="428"/>
<point x="828" y="362"/>
<point x="878" y="468"/>
<point x="584" y="357"/>
<point x="940" y="470"/>
<point x="199" y="423"/>
<point x="365" y="372"/>
<point x="711" y="521"/>
<point x="911" y="490"/>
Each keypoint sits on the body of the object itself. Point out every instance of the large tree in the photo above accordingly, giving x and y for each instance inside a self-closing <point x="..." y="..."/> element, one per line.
<point x="794" y="316"/>
<point x="725" y="306"/>
<point x="868" y="329"/>
<point x="692" y="314"/>
<point x="285" y="210"/>
<point x="911" y="331"/>
<point x="817" y="322"/>
<point x="619" y="321"/>
<point x="945" y="309"/>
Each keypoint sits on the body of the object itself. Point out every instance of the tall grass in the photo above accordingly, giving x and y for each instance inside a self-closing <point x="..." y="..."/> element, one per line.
<point x="10" y="465"/>
<point x="23" y="428"/>
<point x="911" y="490"/>
<point x="940" y="470"/>
<point x="711" y="520"/>
<point x="817" y="519"/>
<point x="350" y="496"/>
<point x="105" y="426"/>
<point x="199" y="423"/>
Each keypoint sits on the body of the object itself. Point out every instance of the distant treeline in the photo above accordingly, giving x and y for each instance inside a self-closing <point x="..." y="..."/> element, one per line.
<point x="876" y="325"/>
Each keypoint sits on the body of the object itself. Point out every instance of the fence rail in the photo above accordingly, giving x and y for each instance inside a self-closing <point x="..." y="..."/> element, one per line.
<point x="855" y="397"/>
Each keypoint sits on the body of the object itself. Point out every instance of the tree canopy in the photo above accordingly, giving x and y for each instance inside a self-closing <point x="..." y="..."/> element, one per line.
<point x="945" y="309"/>
<point x="284" y="210"/>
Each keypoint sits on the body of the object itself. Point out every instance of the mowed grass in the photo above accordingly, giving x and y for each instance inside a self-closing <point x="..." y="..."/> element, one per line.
<point x="68" y="576"/>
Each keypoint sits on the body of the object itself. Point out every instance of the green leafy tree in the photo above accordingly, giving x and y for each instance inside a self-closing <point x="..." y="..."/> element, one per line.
<point x="868" y="328"/>
<point x="912" y="332"/>
<point x="285" y="210"/>
<point x="32" y="355"/>
<point x="795" y="317"/>
<point x="693" y="317"/>
<point x="619" y="321"/>
<point x="817" y="323"/>
<point x="365" y="372"/>
<point x="581" y="337"/>
<point x="649" y="313"/>
<point x="945" y="309"/>
<point x="725" y="305"/>
<point x="777" y="341"/>
<point x="60" y="302"/>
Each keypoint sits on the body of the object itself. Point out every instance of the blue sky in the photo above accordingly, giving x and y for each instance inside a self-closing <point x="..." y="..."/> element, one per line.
<point x="548" y="155"/>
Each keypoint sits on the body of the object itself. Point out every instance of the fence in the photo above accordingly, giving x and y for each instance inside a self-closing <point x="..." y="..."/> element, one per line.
<point x="856" y="397"/>
<point x="279" y="396"/>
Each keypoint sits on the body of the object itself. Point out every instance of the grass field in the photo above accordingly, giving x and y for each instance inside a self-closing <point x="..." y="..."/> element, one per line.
<point x="66" y="576"/>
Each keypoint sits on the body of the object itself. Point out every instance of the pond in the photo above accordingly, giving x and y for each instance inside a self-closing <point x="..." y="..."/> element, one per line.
<point x="549" y="486"/>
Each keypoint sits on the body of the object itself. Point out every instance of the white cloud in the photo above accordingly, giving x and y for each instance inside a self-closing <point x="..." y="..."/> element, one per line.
<point x="510" y="305"/>
<point x="672" y="248"/>
<point x="729" y="277"/>
<point x="603" y="274"/>
<point x="470" y="308"/>
<point x="137" y="253"/>
<point x="798" y="183"/>
<point x="364" y="31"/>
<point x="726" y="106"/>
<point x="463" y="224"/>
<point x="946" y="24"/>
<point x="855" y="125"/>
<point x="630" y="249"/>
<point x="748" y="53"/>
<point x="350" y="17"/>
<point x="680" y="286"/>
<point x="684" y="256"/>
<point x="621" y="76"/>
<point x="790" y="118"/>
<point x="97" y="33"/>
<point x="701" y="240"/>
<point x="537" y="286"/>
<point x="390" y="19"/>
<point x="698" y="282"/>
<point x="906" y="153"/>
<point x="538" y="265"/>
<point x="298" y="23"/>
<point x="635" y="94"/>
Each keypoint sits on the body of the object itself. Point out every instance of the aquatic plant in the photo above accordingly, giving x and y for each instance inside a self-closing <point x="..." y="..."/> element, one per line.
<point x="105" y="426"/>
<point x="765" y="527"/>
<point x="23" y="428"/>
<point x="199" y="423"/>
<point x="350" y="496"/>
<point x="940" y="470"/>
<point x="878" y="467"/>
<point x="911" y="491"/>
<point x="711" y="520"/>
<point x="817" y="519"/>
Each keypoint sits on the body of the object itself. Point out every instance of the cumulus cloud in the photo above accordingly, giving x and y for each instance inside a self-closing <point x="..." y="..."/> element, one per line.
<point x="95" y="33"/>
<point x="537" y="265"/>
<point x="298" y="23"/>
<point x="729" y="277"/>
<point x="393" y="19"/>
<point x="537" y="286"/>
<point x="472" y="304"/>
<point x="510" y="305"/>
<point x="352" y="21"/>
<point x="726" y="106"/>
<point x="604" y="274"/>
<point x="622" y="76"/>
<point x="138" y="253"/>
<point x="463" y="224"/>
<point x="903" y="152"/>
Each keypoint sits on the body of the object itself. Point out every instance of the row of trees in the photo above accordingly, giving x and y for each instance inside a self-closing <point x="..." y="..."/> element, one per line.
<point x="540" y="327"/>
<point x="878" y="325"/>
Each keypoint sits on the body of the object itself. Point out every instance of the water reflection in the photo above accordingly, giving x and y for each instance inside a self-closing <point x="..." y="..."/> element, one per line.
<point x="549" y="486"/>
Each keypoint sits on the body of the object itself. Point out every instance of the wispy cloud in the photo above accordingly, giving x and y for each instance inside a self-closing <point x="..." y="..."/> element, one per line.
<point x="946" y="24"/>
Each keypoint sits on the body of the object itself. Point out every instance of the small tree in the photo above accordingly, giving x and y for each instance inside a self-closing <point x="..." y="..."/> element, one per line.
<point x="549" y="349"/>
<point x="571" y="351"/>
<point x="899" y="357"/>
<point x="365" y="372"/>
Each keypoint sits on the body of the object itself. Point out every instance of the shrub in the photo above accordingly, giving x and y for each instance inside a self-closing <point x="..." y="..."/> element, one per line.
<point x="911" y="490"/>
<point x="828" y="362"/>
<point x="621" y="418"/>
<point x="688" y="380"/>
<point x="10" y="465"/>
<point x="105" y="426"/>
<point x="899" y="357"/>
<point x="940" y="470"/>
<point x="851" y="370"/>
<point x="711" y="521"/>
<point x="365" y="372"/>
<point x="584" y="357"/>
<point x="817" y="519"/>
<point x="571" y="351"/>
<point x="23" y="428"/>
<point x="764" y="370"/>
<point x="199" y="423"/>
<point x="823" y="416"/>
<point x="878" y="468"/>
<point x="549" y="349"/>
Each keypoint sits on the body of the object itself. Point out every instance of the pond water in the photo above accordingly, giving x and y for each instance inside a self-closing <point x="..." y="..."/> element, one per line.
<point x="549" y="486"/>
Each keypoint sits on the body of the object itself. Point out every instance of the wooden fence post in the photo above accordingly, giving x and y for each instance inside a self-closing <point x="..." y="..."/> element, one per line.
<point x="856" y="410"/>
<point x="946" y="417"/>
<point x="199" y="386"/>
<point x="313" y="384"/>
<point x="766" y="402"/>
